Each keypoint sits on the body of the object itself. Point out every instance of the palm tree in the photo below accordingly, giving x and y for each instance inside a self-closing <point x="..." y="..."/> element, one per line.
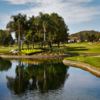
<point x="45" y="24"/>
<point x="18" y="25"/>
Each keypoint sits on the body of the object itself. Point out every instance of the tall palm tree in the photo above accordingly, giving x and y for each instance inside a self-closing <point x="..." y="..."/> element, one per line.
<point x="18" y="25"/>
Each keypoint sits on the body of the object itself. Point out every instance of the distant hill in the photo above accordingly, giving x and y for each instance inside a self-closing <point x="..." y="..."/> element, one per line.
<point x="85" y="36"/>
<point x="86" y="33"/>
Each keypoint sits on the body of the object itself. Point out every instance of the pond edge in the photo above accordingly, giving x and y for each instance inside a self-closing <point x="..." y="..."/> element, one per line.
<point x="87" y="67"/>
<point x="35" y="56"/>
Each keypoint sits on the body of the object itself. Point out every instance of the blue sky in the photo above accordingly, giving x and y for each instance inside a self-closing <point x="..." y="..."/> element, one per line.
<point x="78" y="14"/>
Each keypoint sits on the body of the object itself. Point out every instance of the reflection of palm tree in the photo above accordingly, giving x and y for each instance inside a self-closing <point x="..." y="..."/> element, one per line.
<point x="4" y="64"/>
<point x="44" y="77"/>
<point x="18" y="84"/>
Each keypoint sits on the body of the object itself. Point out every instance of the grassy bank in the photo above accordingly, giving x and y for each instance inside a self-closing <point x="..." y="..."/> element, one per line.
<point x="86" y="53"/>
<point x="94" y="61"/>
<point x="84" y="47"/>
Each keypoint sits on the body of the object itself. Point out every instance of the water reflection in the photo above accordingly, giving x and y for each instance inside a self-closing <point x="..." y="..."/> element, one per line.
<point x="46" y="80"/>
<point x="42" y="77"/>
<point x="4" y="65"/>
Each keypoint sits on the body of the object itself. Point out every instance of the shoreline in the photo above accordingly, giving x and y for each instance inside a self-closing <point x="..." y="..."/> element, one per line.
<point x="92" y="69"/>
<point x="34" y="56"/>
<point x="87" y="67"/>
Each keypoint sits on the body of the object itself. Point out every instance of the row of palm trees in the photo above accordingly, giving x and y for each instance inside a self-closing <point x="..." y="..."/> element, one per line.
<point x="44" y="28"/>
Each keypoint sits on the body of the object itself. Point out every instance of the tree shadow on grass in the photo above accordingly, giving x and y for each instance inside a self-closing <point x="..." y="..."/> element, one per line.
<point x="77" y="48"/>
<point x="74" y="51"/>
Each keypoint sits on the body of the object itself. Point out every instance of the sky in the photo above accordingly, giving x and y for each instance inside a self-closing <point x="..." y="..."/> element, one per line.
<point x="79" y="15"/>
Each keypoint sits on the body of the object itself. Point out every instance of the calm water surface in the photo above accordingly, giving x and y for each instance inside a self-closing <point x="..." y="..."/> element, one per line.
<point x="51" y="80"/>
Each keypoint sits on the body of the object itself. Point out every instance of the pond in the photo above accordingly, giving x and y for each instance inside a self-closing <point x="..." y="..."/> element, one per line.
<point x="46" y="80"/>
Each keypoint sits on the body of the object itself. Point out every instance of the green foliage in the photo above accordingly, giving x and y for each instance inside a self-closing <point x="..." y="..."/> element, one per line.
<point x="44" y="28"/>
<point x="5" y="38"/>
<point x="18" y="23"/>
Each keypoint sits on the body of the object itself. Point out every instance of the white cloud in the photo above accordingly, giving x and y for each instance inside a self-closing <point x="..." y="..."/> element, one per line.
<point x="4" y="19"/>
<point x="78" y="1"/>
<point x="73" y="11"/>
<point x="19" y="1"/>
<point x="45" y="1"/>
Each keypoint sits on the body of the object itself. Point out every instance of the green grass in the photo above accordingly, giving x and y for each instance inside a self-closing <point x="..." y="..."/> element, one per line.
<point x="94" y="61"/>
<point x="31" y="51"/>
<point x="78" y="48"/>
<point x="6" y="50"/>
<point x="83" y="47"/>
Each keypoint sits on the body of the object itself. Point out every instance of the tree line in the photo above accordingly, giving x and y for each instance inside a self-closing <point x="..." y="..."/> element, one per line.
<point x="45" y="29"/>
<point x="89" y="36"/>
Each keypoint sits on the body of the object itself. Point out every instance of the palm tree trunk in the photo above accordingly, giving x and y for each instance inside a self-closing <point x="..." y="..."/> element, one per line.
<point x="44" y="34"/>
<point x="19" y="38"/>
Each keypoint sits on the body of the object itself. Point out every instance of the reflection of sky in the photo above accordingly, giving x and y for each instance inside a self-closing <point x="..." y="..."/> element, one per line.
<point x="11" y="72"/>
<point x="81" y="85"/>
<point x="4" y="91"/>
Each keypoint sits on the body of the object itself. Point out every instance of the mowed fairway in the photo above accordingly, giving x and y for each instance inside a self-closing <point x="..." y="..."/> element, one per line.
<point x="84" y="47"/>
